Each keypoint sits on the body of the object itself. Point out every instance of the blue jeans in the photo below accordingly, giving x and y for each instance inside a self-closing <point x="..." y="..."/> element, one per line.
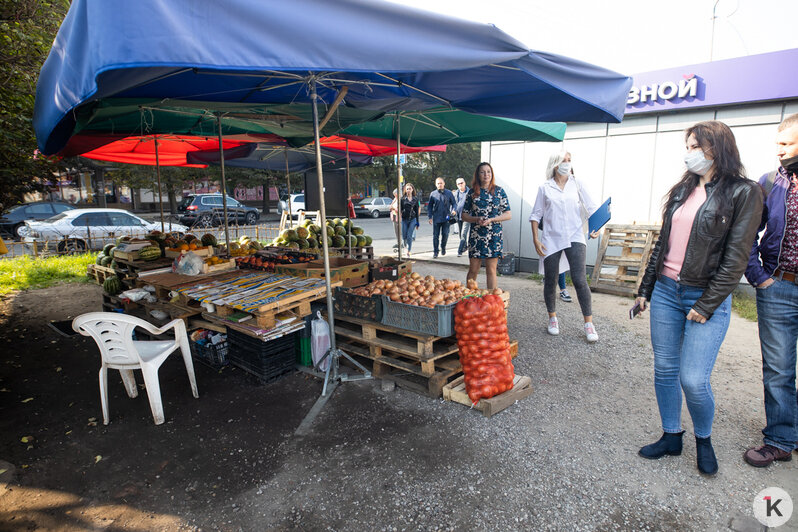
<point x="684" y="355"/>
<point x="441" y="229"/>
<point x="409" y="231"/>
<point x="561" y="281"/>
<point x="777" y="308"/>
<point x="464" y="229"/>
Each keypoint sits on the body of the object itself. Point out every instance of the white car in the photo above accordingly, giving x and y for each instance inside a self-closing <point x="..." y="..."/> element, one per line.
<point x="83" y="229"/>
<point x="297" y="204"/>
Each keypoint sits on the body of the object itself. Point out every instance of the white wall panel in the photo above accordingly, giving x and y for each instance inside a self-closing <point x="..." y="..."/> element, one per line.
<point x="628" y="173"/>
<point x="508" y="163"/>
<point x="757" y="145"/>
<point x="668" y="167"/>
<point x="634" y="125"/>
<point x="683" y="120"/>
<point x="750" y="114"/>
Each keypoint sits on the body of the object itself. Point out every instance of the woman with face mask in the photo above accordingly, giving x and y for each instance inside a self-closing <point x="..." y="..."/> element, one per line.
<point x="710" y="219"/>
<point x="559" y="207"/>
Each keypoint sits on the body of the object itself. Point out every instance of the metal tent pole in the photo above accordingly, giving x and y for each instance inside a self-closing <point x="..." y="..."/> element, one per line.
<point x="332" y="373"/>
<point x="288" y="183"/>
<point x="224" y="184"/>
<point x="349" y="225"/>
<point x="158" y="173"/>
<point x="398" y="184"/>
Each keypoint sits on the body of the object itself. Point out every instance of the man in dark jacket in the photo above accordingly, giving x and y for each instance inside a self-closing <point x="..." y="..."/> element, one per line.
<point x="440" y="209"/>
<point x="773" y="270"/>
<point x="460" y="196"/>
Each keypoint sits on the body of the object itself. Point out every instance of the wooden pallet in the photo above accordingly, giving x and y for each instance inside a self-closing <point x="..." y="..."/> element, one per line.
<point x="455" y="391"/>
<point x="267" y="319"/>
<point x="419" y="362"/>
<point x="621" y="273"/>
<point x="361" y="253"/>
<point x="99" y="273"/>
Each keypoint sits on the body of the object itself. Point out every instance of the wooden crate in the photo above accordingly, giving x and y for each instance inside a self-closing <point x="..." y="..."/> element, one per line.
<point x="267" y="319"/>
<point x="99" y="273"/>
<point x="350" y="272"/>
<point x="455" y="391"/>
<point x="205" y="251"/>
<point x="360" y="253"/>
<point x="621" y="274"/>
<point x="229" y="264"/>
<point x="419" y="362"/>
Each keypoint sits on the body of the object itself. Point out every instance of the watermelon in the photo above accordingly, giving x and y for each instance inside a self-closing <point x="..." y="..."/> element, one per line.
<point x="303" y="243"/>
<point x="112" y="285"/>
<point x="99" y="259"/>
<point x="209" y="240"/>
<point x="106" y="260"/>
<point x="150" y="253"/>
<point x="340" y="230"/>
<point x="302" y="232"/>
<point x="189" y="238"/>
<point x="357" y="230"/>
<point x="368" y="240"/>
<point x="361" y="240"/>
<point x="113" y="265"/>
<point x="293" y="245"/>
<point x="338" y="241"/>
<point x="312" y="242"/>
<point x="107" y="249"/>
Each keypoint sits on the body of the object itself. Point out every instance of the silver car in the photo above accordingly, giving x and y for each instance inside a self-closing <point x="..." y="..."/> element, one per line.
<point x="373" y="207"/>
<point x="83" y="229"/>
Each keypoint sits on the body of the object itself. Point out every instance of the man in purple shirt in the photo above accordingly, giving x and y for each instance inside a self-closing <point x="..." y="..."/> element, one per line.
<point x="773" y="270"/>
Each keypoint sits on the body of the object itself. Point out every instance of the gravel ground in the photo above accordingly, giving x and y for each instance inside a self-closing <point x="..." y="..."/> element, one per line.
<point x="565" y="458"/>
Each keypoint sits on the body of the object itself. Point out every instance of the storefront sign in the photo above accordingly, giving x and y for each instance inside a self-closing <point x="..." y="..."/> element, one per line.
<point x="750" y="79"/>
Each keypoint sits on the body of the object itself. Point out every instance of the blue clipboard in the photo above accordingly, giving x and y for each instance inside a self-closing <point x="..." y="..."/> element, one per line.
<point x="600" y="217"/>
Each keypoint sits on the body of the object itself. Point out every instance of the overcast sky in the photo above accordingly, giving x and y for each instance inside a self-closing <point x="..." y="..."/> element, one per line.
<point x="632" y="37"/>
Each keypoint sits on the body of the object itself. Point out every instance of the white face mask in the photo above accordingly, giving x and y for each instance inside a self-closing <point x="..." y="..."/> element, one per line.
<point x="696" y="162"/>
<point x="564" y="168"/>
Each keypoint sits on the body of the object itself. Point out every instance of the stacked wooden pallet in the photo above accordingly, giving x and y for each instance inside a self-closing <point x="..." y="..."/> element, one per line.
<point x="622" y="258"/>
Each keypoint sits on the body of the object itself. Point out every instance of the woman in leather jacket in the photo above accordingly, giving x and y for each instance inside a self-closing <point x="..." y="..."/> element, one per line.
<point x="710" y="220"/>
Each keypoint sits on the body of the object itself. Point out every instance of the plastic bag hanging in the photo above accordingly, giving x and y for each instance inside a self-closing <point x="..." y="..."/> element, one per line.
<point x="319" y="341"/>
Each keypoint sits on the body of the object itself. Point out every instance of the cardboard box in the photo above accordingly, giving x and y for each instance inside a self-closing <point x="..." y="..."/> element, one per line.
<point x="205" y="251"/>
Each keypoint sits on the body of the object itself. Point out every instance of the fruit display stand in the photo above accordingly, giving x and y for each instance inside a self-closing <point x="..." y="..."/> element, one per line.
<point x="256" y="296"/>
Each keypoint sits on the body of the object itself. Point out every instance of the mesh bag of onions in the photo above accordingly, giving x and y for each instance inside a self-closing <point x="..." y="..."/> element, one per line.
<point x="481" y="328"/>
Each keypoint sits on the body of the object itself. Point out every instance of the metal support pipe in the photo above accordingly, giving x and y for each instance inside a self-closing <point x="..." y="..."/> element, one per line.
<point x="158" y="173"/>
<point x="398" y="184"/>
<point x="224" y="184"/>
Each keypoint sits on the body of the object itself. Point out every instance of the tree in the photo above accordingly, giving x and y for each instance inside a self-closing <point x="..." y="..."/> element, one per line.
<point x="27" y="29"/>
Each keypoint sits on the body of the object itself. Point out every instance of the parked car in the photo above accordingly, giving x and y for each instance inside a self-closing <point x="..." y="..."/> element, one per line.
<point x="374" y="207"/>
<point x="13" y="222"/>
<point x="206" y="210"/>
<point x="83" y="229"/>
<point x="297" y="204"/>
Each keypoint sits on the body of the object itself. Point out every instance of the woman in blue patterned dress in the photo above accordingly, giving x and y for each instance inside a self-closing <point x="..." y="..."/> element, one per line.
<point x="486" y="207"/>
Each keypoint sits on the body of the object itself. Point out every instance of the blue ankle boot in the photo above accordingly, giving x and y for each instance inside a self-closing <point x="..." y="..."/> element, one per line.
<point x="705" y="456"/>
<point x="670" y="443"/>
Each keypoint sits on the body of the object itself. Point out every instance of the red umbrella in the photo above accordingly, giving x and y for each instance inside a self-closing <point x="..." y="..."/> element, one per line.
<point x="373" y="147"/>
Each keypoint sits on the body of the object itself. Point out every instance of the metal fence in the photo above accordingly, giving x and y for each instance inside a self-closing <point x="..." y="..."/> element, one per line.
<point x="66" y="245"/>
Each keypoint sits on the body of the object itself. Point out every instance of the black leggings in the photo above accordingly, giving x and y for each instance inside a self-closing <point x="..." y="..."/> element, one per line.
<point x="576" y="260"/>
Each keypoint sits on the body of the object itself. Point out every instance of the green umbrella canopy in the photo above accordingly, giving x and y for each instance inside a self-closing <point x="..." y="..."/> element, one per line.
<point x="448" y="126"/>
<point x="133" y="117"/>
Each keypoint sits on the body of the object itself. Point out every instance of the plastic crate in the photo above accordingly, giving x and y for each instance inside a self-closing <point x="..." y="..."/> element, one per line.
<point x="304" y="356"/>
<point x="265" y="360"/>
<point x="349" y="304"/>
<point x="389" y="269"/>
<point x="436" y="321"/>
<point x="212" y="354"/>
<point x="506" y="265"/>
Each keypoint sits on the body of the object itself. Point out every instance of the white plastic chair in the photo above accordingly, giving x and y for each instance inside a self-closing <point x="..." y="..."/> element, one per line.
<point x="113" y="333"/>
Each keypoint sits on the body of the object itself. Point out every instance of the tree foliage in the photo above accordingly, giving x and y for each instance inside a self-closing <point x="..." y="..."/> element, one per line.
<point x="27" y="30"/>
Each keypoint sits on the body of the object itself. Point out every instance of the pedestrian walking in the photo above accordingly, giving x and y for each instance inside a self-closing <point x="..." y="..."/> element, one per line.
<point x="773" y="270"/>
<point x="561" y="205"/>
<point x="486" y="207"/>
<point x="462" y="226"/>
<point x="440" y="209"/>
<point x="709" y="222"/>
<point x="411" y="207"/>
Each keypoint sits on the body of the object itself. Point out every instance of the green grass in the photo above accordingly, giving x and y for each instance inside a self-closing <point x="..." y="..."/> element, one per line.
<point x="744" y="305"/>
<point x="23" y="273"/>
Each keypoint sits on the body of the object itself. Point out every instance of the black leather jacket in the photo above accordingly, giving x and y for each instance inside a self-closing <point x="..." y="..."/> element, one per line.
<point x="718" y="246"/>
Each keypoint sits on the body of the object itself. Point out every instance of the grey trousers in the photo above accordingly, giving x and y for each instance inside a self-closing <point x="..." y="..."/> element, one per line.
<point x="576" y="260"/>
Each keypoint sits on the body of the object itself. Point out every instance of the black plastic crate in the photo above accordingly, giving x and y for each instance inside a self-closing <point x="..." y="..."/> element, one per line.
<point x="349" y="304"/>
<point x="265" y="360"/>
<point x="215" y="355"/>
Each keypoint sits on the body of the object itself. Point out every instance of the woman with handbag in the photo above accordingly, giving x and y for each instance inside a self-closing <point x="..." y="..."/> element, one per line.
<point x="709" y="222"/>
<point x="410" y="210"/>
<point x="563" y="205"/>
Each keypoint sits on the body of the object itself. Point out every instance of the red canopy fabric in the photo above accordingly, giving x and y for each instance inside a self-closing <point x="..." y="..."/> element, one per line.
<point x="373" y="147"/>
<point x="172" y="149"/>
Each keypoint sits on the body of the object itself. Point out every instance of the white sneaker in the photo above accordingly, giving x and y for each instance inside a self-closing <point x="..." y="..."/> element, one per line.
<point x="554" y="326"/>
<point x="590" y="332"/>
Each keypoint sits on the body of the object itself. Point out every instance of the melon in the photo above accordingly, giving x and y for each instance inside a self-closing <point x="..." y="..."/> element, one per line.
<point x="303" y="243"/>
<point x="150" y="253"/>
<point x="209" y="240"/>
<point x="361" y="240"/>
<point x="302" y="232"/>
<point x="357" y="230"/>
<point x="338" y="241"/>
<point x="105" y="261"/>
<point x="107" y="249"/>
<point x="112" y="285"/>
<point x="330" y="231"/>
<point x="368" y="240"/>
<point x="340" y="230"/>
<point x="99" y="259"/>
<point x="313" y="242"/>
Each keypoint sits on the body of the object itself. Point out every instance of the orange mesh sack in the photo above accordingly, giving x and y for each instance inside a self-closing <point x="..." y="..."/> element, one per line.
<point x="481" y="328"/>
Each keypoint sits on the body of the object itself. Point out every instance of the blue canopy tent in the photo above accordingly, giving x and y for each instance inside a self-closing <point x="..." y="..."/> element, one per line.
<point x="361" y="55"/>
